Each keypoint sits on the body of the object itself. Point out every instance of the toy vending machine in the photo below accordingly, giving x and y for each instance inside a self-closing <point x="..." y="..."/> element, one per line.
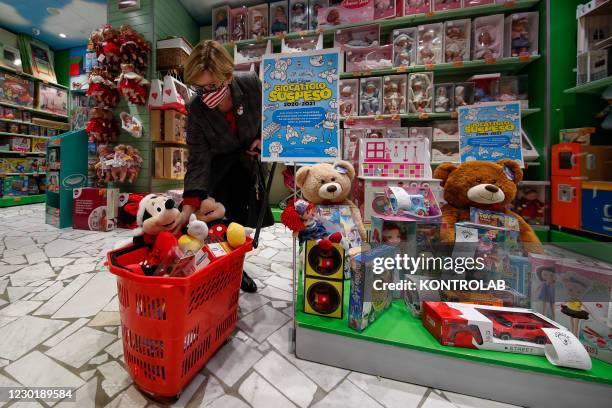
<point x="573" y="163"/>
<point x="324" y="279"/>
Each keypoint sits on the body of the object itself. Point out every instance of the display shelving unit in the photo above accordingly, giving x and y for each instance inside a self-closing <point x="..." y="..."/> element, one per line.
<point x="6" y="200"/>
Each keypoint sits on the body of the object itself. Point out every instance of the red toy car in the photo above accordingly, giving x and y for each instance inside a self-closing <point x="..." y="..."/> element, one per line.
<point x="507" y="326"/>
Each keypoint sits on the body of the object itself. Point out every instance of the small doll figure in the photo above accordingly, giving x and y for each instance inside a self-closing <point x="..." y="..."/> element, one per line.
<point x="346" y="101"/>
<point x="132" y="85"/>
<point x="369" y="100"/>
<point x="531" y="208"/>
<point x="299" y="20"/>
<point x="134" y="161"/>
<point x="402" y="49"/>
<point x="393" y="99"/>
<point x="119" y="164"/>
<point x="487" y="46"/>
<point x="111" y="48"/>
<point x="134" y="48"/>
<point x="96" y="43"/>
<point x="426" y="47"/>
<point x="575" y="287"/>
<point x="546" y="289"/>
<point x="442" y="102"/>
<point x="239" y="31"/>
<point x="221" y="32"/>
<point x="258" y="26"/>
<point x="313" y="228"/>
<point x="313" y="16"/>
<point x="419" y="96"/>
<point x="103" y="163"/>
<point x="520" y="37"/>
<point x="606" y="114"/>
<point x="455" y="43"/>
<point x="506" y="92"/>
<point x="102" y="88"/>
<point x="279" y="24"/>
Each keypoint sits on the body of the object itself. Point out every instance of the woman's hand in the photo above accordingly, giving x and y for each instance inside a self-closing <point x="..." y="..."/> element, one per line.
<point x="183" y="219"/>
<point x="255" y="148"/>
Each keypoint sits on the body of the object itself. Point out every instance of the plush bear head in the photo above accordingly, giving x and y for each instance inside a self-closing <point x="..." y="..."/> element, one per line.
<point x="325" y="183"/>
<point x="156" y="213"/>
<point x="480" y="183"/>
<point x="210" y="210"/>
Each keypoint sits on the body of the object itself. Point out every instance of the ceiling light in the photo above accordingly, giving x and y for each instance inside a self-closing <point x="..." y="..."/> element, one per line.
<point x="53" y="10"/>
<point x="17" y="62"/>
<point x="62" y="35"/>
<point x="35" y="31"/>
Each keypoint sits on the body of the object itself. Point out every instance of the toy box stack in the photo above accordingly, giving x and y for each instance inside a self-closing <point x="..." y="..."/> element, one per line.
<point x="170" y="162"/>
<point x="95" y="209"/>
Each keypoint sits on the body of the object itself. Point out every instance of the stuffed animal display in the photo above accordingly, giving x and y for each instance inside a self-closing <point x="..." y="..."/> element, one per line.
<point x="132" y="85"/>
<point x="102" y="126"/>
<point x="213" y="213"/>
<point x="121" y="163"/>
<point x="325" y="183"/>
<point x="485" y="185"/>
<point x="134" y="49"/>
<point x="102" y="88"/>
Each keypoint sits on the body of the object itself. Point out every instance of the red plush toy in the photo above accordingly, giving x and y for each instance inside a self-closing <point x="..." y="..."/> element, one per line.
<point x="102" y="126"/>
<point x="111" y="48"/>
<point x="132" y="85"/>
<point x="102" y="88"/>
<point x="134" y="48"/>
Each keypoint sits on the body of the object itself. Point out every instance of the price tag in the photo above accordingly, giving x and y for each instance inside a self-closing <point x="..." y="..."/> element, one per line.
<point x="490" y="61"/>
<point x="349" y="120"/>
<point x="17" y="199"/>
<point x="423" y="115"/>
<point x="523" y="57"/>
<point x="368" y="72"/>
<point x="429" y="14"/>
<point x="395" y="116"/>
<point x="429" y="67"/>
<point x="302" y="33"/>
<point x="457" y="64"/>
<point x="565" y="350"/>
<point x="379" y="117"/>
<point x="320" y="30"/>
<point x="401" y="68"/>
<point x="454" y="114"/>
<point x="509" y="3"/>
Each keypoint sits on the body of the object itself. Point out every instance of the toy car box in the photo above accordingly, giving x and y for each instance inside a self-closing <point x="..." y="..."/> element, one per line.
<point x="95" y="209"/>
<point x="366" y="303"/>
<point x="508" y="329"/>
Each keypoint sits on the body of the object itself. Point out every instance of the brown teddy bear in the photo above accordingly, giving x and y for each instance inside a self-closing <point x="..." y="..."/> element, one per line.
<point x="486" y="185"/>
<point x="325" y="183"/>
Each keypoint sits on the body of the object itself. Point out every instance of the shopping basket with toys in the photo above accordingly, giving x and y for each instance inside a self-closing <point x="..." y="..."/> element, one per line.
<point x="171" y="326"/>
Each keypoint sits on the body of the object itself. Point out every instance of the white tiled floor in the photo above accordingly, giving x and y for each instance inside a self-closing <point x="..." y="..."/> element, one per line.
<point x="59" y="318"/>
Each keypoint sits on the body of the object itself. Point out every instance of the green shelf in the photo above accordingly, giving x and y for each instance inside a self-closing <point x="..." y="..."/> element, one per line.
<point x="407" y="21"/>
<point x="33" y="110"/>
<point x="21" y="200"/>
<point x="22" y="153"/>
<point x="397" y="327"/>
<point x="593" y="87"/>
<point x="20" y="135"/>
<point x="21" y="122"/>
<point x="505" y="65"/>
<point x="430" y="116"/>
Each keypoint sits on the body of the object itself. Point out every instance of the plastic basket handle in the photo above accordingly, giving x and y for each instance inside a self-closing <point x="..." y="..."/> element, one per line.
<point x="122" y="251"/>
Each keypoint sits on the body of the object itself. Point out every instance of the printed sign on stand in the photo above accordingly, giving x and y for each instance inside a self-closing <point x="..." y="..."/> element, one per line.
<point x="490" y="132"/>
<point x="300" y="117"/>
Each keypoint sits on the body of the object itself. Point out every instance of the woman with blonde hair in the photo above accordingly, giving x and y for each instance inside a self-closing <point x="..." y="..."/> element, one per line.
<point x="223" y="139"/>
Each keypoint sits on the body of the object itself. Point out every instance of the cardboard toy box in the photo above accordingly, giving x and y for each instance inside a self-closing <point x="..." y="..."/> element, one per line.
<point x="95" y="209"/>
<point x="15" y="186"/>
<point x="169" y="163"/>
<point x="175" y="124"/>
<point x="20" y="144"/>
<point x="157" y="125"/>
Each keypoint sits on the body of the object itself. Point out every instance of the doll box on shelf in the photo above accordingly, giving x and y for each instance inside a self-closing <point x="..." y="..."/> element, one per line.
<point x="170" y="163"/>
<point x="95" y="209"/>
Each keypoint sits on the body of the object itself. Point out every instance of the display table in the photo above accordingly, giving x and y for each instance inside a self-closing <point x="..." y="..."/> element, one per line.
<point x="397" y="346"/>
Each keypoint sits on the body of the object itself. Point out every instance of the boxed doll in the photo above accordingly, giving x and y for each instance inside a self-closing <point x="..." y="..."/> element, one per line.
<point x="313" y="12"/>
<point x="384" y="9"/>
<point x="16" y="90"/>
<point x="421" y="133"/>
<point x="15" y="186"/>
<point x="404" y="47"/>
<point x="394" y="133"/>
<point x="220" y="19"/>
<point x="394" y="96"/>
<point x="251" y="52"/>
<point x="258" y="21"/>
<point x="457" y="40"/>
<point x="497" y="219"/>
<point x="507" y="89"/>
<point x="417" y="7"/>
<point x="444" y="98"/>
<point x="472" y="3"/>
<point x="20" y="144"/>
<point x="173" y="163"/>
<point x="429" y="47"/>
<point x="463" y="94"/>
<point x="175" y="124"/>
<point x="368" y="58"/>
<point x="278" y="18"/>
<point x="420" y="92"/>
<point x="238" y="19"/>
<point x="350" y="144"/>
<point x="366" y="304"/>
<point x="397" y="231"/>
<point x="95" y="209"/>
<point x="298" y="15"/>
<point x="347" y="12"/>
<point x="370" y="96"/>
<point x="485" y="87"/>
<point x="418" y="203"/>
<point x="445" y="142"/>
<point x="361" y="36"/>
<point x="441" y="5"/>
<point x="349" y="89"/>
<point x="521" y="34"/>
<point x="52" y="99"/>
<point x="532" y="200"/>
<point x="303" y="43"/>
<point x="488" y="37"/>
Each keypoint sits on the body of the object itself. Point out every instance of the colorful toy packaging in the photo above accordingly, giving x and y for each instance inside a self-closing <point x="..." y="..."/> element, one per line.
<point x="430" y="49"/>
<point x="404" y="47"/>
<point x="349" y="11"/>
<point x="15" y="186"/>
<point x="368" y="58"/>
<point x="238" y="23"/>
<point x="16" y="90"/>
<point x="95" y="209"/>
<point x="417" y="7"/>
<point x="278" y="18"/>
<point x="220" y="21"/>
<point x="521" y="34"/>
<point x="366" y="303"/>
<point x="384" y="9"/>
<point x="445" y="142"/>
<point x="457" y="40"/>
<point x="420" y="92"/>
<point x="258" y="21"/>
<point x="394" y="96"/>
<point x="348" y="97"/>
<point x="313" y="12"/>
<point x="370" y="96"/>
<point x="488" y="37"/>
<point x="20" y="144"/>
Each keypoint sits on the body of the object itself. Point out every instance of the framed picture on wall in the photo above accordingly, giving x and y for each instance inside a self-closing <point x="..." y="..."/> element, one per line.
<point x="41" y="61"/>
<point x="10" y="57"/>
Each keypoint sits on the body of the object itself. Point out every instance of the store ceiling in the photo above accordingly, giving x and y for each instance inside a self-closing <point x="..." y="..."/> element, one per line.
<point x="73" y="18"/>
<point x="201" y="10"/>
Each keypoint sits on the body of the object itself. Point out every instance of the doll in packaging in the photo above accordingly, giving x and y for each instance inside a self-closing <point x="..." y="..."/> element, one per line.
<point x="430" y="44"/>
<point x="238" y="23"/>
<point x="394" y="98"/>
<point x="404" y="49"/>
<point x="420" y="90"/>
<point x="443" y="101"/>
<point x="348" y="97"/>
<point x="258" y="21"/>
<point x="463" y="94"/>
<point x="134" y="48"/>
<point x="278" y="17"/>
<point x="298" y="17"/>
<point x="522" y="34"/>
<point x="357" y="37"/>
<point x="313" y="12"/>
<point x="441" y="5"/>
<point x="507" y="89"/>
<point x="384" y="9"/>
<point x="369" y="97"/>
<point x="457" y="40"/>
<point x="102" y="88"/>
<point x="417" y="7"/>
<point x="220" y="17"/>
<point x="488" y="37"/>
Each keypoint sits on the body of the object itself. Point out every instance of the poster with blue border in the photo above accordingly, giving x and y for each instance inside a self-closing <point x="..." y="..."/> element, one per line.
<point x="490" y="132"/>
<point x="300" y="117"/>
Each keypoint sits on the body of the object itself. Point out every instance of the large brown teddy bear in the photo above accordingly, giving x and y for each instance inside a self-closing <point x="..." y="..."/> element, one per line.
<point x="325" y="183"/>
<point x="486" y="185"/>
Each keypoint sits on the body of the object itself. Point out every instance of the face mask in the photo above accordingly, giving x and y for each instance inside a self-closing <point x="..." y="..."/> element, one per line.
<point x="212" y="99"/>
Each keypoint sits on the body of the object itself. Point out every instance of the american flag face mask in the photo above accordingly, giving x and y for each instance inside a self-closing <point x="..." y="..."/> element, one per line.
<point x="212" y="99"/>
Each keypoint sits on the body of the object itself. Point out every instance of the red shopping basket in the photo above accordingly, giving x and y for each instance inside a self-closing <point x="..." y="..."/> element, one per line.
<point x="172" y="326"/>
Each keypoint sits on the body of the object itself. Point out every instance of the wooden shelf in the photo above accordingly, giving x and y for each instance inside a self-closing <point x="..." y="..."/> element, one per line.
<point x="164" y="143"/>
<point x="22" y="153"/>
<point x="407" y="21"/>
<point x="31" y="77"/>
<point x="429" y="116"/>
<point x="20" y="135"/>
<point x="593" y="87"/>
<point x="506" y="65"/>
<point x="22" y="200"/>
<point x="603" y="9"/>
<point x="34" y="110"/>
<point x="166" y="179"/>
<point x="21" y="122"/>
